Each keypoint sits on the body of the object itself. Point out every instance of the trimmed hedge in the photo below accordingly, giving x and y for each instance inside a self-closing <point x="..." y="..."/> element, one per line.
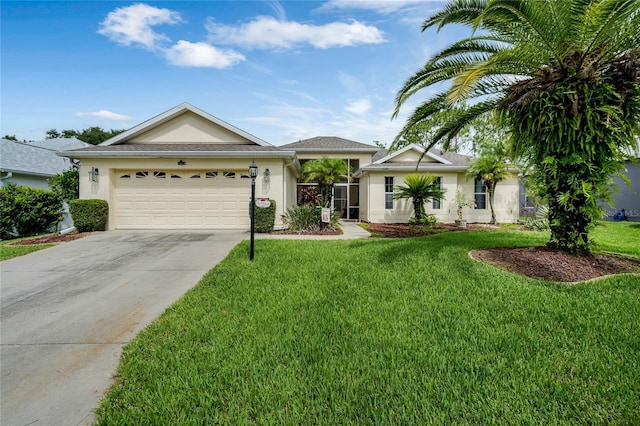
<point x="265" y="217"/>
<point x="26" y="211"/>
<point x="89" y="215"/>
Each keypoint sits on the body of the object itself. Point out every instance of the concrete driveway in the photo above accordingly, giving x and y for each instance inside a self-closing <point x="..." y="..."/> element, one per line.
<point x="67" y="311"/>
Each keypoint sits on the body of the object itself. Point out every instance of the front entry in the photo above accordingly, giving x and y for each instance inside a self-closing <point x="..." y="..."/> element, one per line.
<point x="346" y="201"/>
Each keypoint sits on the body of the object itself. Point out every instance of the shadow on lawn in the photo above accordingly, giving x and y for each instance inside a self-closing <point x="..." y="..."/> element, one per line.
<point x="454" y="244"/>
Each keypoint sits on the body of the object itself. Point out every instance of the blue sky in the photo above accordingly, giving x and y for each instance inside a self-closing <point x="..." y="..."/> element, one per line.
<point x="282" y="71"/>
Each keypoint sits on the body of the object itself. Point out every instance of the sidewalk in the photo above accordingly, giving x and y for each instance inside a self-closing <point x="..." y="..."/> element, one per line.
<point x="350" y="231"/>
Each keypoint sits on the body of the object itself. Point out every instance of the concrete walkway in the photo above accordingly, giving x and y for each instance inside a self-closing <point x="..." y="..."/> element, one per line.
<point x="350" y="231"/>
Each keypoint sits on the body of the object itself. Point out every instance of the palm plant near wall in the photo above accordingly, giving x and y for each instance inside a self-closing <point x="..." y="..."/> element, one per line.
<point x="326" y="172"/>
<point x="420" y="189"/>
<point x="492" y="168"/>
<point x="565" y="76"/>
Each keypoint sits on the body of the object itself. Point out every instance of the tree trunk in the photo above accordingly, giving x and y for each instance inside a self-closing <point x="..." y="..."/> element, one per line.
<point x="491" y="188"/>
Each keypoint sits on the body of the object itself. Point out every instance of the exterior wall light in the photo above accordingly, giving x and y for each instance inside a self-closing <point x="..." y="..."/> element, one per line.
<point x="93" y="174"/>
<point x="182" y="163"/>
<point x="267" y="176"/>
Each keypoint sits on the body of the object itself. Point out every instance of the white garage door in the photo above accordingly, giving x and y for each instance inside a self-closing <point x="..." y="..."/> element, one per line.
<point x="197" y="199"/>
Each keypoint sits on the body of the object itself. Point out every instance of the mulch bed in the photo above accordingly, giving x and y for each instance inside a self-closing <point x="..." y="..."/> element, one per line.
<point x="49" y="239"/>
<point x="541" y="262"/>
<point x="405" y="230"/>
<point x="532" y="262"/>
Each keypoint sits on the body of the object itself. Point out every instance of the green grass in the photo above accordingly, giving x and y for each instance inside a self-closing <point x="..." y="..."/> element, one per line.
<point x="401" y="331"/>
<point x="621" y="237"/>
<point x="9" y="252"/>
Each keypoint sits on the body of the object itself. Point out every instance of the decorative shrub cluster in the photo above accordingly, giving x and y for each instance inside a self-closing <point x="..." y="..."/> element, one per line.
<point x="26" y="211"/>
<point x="265" y="217"/>
<point x="89" y="215"/>
<point x="307" y="218"/>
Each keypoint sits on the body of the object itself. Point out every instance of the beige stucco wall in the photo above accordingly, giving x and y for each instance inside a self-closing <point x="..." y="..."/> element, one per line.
<point x="278" y="188"/>
<point x="506" y="200"/>
<point x="189" y="128"/>
<point x="411" y="155"/>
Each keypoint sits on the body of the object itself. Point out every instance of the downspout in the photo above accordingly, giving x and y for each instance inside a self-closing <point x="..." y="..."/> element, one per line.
<point x="8" y="176"/>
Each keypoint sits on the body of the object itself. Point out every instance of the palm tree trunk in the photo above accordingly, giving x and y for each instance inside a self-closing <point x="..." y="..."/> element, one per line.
<point x="492" y="192"/>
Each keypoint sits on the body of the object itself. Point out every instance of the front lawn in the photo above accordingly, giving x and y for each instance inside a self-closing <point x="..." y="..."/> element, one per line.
<point x="399" y="331"/>
<point x="10" y="251"/>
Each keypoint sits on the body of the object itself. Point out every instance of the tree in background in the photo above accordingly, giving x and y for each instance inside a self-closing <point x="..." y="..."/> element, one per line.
<point x="420" y="189"/>
<point x="10" y="137"/>
<point x="92" y="135"/>
<point x="326" y="172"/>
<point x="492" y="167"/>
<point x="564" y="75"/>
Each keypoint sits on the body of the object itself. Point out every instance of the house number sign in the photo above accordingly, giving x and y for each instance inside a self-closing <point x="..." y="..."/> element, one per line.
<point x="263" y="203"/>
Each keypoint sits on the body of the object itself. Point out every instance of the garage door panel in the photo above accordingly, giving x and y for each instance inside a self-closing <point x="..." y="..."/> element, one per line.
<point x="156" y="200"/>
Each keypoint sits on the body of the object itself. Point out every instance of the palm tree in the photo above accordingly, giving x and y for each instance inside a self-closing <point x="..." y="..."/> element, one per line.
<point x="420" y="189"/>
<point x="326" y="172"/>
<point x="492" y="168"/>
<point x="565" y="77"/>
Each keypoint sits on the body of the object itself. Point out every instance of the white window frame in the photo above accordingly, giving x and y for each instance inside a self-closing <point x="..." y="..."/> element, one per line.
<point x="388" y="194"/>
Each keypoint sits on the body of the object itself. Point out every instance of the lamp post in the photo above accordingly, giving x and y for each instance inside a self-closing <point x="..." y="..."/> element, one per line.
<point x="253" y="173"/>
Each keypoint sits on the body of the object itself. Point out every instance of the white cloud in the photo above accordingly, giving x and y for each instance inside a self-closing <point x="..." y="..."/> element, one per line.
<point x="265" y="32"/>
<point x="133" y="25"/>
<point x="187" y="54"/>
<point x="380" y="6"/>
<point x="360" y="106"/>
<point x="103" y="113"/>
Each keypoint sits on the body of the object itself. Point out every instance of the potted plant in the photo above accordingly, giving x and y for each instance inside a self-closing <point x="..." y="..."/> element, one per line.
<point x="462" y="201"/>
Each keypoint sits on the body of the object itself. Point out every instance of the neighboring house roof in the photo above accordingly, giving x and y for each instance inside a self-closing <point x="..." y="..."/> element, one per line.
<point x="34" y="158"/>
<point x="61" y="144"/>
<point x="432" y="161"/>
<point x="330" y="144"/>
<point x="173" y="113"/>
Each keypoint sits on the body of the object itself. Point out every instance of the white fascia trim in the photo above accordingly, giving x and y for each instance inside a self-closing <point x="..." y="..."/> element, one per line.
<point x="27" y="172"/>
<point x="415" y="147"/>
<point x="421" y="169"/>
<point x="179" y="154"/>
<point x="173" y="112"/>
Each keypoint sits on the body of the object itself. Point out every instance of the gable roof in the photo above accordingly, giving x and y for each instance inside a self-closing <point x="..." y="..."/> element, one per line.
<point x="173" y="113"/>
<point x="330" y="144"/>
<point x="413" y="147"/>
<point x="61" y="144"/>
<point x="32" y="158"/>
<point x="442" y="161"/>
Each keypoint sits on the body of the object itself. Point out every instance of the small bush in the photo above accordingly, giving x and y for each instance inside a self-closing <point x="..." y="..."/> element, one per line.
<point x="89" y="215"/>
<point x="307" y="218"/>
<point x="265" y="217"/>
<point x="66" y="184"/>
<point x="425" y="220"/>
<point x="540" y="222"/>
<point x="26" y="211"/>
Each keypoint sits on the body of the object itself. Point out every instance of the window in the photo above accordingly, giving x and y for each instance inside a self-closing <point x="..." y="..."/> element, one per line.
<point x="196" y="176"/>
<point x="141" y="175"/>
<point x="159" y="175"/>
<point x="388" y="192"/>
<point x="126" y="176"/>
<point x="435" y="203"/>
<point x="229" y="175"/>
<point x="210" y="175"/>
<point x="174" y="176"/>
<point x="480" y="194"/>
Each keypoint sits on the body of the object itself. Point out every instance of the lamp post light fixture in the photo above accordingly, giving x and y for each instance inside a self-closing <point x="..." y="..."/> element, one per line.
<point x="253" y="173"/>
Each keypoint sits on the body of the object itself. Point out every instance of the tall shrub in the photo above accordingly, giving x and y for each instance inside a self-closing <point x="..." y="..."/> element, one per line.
<point x="89" y="215"/>
<point x="26" y="211"/>
<point x="265" y="217"/>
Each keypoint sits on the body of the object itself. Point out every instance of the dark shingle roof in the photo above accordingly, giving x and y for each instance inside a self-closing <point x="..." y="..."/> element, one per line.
<point x="329" y="143"/>
<point x="177" y="147"/>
